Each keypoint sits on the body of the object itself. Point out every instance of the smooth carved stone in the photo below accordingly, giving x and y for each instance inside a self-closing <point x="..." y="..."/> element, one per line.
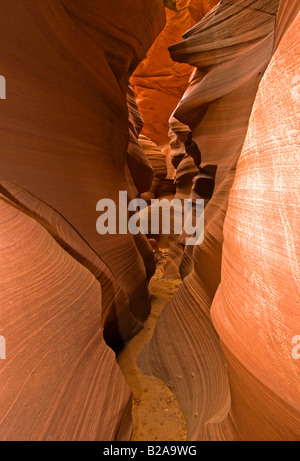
<point x="64" y="146"/>
<point x="118" y="322"/>
<point x="204" y="183"/>
<point x="155" y="157"/>
<point x="59" y="381"/>
<point x="231" y="48"/>
<point x="256" y="309"/>
<point x="64" y="126"/>
<point x="185" y="174"/>
<point x="159" y="82"/>
<point x="171" y="4"/>
<point x="199" y="8"/>
<point x="157" y="160"/>
<point x="140" y="171"/>
<point x="178" y="133"/>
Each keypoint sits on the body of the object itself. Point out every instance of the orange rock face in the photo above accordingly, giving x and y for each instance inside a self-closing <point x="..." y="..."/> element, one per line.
<point x="70" y="135"/>
<point x="256" y="309"/>
<point x="58" y="367"/>
<point x="251" y="391"/>
<point x="159" y="82"/>
<point x="64" y="146"/>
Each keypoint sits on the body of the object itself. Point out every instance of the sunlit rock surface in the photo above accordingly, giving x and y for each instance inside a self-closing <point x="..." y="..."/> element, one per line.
<point x="255" y="309"/>
<point x="59" y="380"/>
<point x="71" y="135"/>
<point x="64" y="146"/>
<point x="159" y="82"/>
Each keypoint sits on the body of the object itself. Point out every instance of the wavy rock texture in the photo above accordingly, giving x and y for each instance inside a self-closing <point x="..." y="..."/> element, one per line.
<point x="216" y="107"/>
<point x="185" y="350"/>
<point x="185" y="173"/>
<point x="59" y="381"/>
<point x="57" y="141"/>
<point x="140" y="169"/>
<point x="157" y="160"/>
<point x="256" y="309"/>
<point x="64" y="145"/>
<point x="159" y="82"/>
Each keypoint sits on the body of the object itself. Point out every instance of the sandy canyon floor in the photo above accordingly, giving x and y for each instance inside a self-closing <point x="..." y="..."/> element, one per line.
<point x="156" y="412"/>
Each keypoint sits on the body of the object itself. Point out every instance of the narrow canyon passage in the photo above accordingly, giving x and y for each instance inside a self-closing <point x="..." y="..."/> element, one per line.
<point x="149" y="220"/>
<point x="156" y="411"/>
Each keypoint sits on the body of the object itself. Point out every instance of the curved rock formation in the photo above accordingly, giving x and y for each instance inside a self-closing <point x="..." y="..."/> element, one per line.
<point x="59" y="381"/>
<point x="158" y="162"/>
<point x="256" y="309"/>
<point x="70" y="133"/>
<point x="64" y="125"/>
<point x="64" y="146"/>
<point x="140" y="168"/>
<point x="159" y="82"/>
<point x="253" y="325"/>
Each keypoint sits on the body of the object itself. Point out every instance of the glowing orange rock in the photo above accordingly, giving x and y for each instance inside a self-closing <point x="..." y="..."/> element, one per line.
<point x="58" y="374"/>
<point x="64" y="146"/>
<point x="256" y="309"/>
<point x="159" y="82"/>
<point x="252" y="391"/>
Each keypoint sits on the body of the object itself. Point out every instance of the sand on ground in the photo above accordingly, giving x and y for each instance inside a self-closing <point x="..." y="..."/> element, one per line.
<point x="156" y="412"/>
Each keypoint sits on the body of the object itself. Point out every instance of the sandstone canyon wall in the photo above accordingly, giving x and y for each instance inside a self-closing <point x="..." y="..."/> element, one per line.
<point x="252" y="391"/>
<point x="256" y="309"/>
<point x="64" y="141"/>
<point x="71" y="134"/>
<point x="159" y="82"/>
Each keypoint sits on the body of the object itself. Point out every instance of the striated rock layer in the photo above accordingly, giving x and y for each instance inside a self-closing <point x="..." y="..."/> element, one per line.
<point x="64" y="125"/>
<point x="64" y="146"/>
<point x="256" y="309"/>
<point x="251" y="391"/>
<point x="59" y="381"/>
<point x="159" y="82"/>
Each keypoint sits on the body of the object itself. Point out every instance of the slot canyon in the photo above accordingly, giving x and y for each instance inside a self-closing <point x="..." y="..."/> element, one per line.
<point x="125" y="336"/>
